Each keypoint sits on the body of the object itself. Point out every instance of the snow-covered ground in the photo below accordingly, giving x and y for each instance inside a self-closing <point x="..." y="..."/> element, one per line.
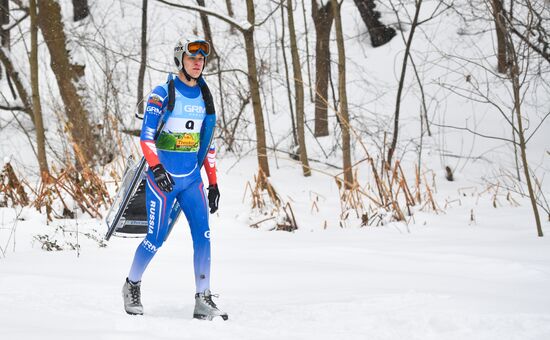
<point x="441" y="277"/>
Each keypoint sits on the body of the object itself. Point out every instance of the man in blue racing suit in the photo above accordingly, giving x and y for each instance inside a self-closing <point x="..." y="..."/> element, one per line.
<point x="175" y="159"/>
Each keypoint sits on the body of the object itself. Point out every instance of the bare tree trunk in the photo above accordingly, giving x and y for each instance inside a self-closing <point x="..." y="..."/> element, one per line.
<point x="36" y="107"/>
<point x="80" y="9"/>
<point x="379" y="33"/>
<point x="424" y="121"/>
<point x="299" y="89"/>
<point x="514" y="75"/>
<point x="322" y="17"/>
<point x="222" y="100"/>
<point x="143" y="62"/>
<point x="524" y="154"/>
<point x="498" y="16"/>
<point x="4" y="20"/>
<point x="391" y="149"/>
<point x="255" y="89"/>
<point x="287" y="78"/>
<point x="306" y="35"/>
<point x="343" y="113"/>
<point x="516" y="160"/>
<point x="11" y="73"/>
<point x="230" y="13"/>
<point x="207" y="33"/>
<point x="68" y="77"/>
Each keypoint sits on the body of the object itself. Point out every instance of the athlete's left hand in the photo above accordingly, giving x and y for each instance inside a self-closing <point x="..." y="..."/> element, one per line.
<point x="213" y="198"/>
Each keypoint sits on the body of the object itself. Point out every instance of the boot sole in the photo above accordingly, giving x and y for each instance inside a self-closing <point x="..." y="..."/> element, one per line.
<point x="134" y="313"/>
<point x="209" y="318"/>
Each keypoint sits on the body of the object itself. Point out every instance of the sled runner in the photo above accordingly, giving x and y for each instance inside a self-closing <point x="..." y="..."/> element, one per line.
<point x="131" y="219"/>
<point x="125" y="212"/>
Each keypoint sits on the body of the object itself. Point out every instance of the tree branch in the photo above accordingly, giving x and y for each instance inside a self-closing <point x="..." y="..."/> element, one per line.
<point x="435" y="14"/>
<point x="243" y="26"/>
<point x="12" y="108"/>
<point x="527" y="41"/>
<point x="537" y="128"/>
<point x="269" y="15"/>
<point x="475" y="133"/>
<point x="7" y="28"/>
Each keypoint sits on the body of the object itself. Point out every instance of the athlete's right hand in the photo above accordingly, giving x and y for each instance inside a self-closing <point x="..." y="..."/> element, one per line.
<point x="163" y="178"/>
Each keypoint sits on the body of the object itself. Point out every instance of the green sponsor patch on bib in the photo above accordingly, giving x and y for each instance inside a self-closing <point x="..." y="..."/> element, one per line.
<point x="183" y="142"/>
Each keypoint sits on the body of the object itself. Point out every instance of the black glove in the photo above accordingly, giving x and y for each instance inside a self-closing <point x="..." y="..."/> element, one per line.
<point x="213" y="198"/>
<point x="163" y="178"/>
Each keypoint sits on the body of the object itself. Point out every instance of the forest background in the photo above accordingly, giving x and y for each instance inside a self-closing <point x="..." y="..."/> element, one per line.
<point x="333" y="117"/>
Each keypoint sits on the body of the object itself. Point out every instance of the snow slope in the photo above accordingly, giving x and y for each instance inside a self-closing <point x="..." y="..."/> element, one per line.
<point x="442" y="277"/>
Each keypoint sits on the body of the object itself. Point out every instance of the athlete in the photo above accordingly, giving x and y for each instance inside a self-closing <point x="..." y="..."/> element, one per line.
<point x="173" y="177"/>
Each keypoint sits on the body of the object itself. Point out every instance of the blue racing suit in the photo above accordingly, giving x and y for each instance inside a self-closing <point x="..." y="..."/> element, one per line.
<point x="181" y="148"/>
